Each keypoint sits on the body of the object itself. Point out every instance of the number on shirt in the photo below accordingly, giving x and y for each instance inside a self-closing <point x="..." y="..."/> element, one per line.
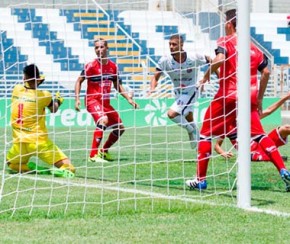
<point x="20" y="114"/>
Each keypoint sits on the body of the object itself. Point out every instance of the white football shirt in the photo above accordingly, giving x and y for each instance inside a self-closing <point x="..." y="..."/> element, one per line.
<point x="183" y="75"/>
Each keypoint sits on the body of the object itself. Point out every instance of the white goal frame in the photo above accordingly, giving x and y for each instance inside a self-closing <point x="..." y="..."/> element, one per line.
<point x="244" y="162"/>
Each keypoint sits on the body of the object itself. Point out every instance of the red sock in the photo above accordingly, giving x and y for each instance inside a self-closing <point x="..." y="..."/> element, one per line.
<point x="204" y="152"/>
<point x="113" y="137"/>
<point x="98" y="136"/>
<point x="271" y="150"/>
<point x="259" y="155"/>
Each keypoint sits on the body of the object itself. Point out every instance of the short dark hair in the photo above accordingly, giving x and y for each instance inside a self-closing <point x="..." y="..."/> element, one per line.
<point x="177" y="36"/>
<point x="101" y="40"/>
<point x="31" y="71"/>
<point x="231" y="16"/>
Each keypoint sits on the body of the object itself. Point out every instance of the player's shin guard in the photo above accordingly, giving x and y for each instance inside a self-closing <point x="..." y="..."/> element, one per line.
<point x="98" y="136"/>
<point x="260" y="155"/>
<point x="113" y="137"/>
<point x="271" y="150"/>
<point x="204" y="153"/>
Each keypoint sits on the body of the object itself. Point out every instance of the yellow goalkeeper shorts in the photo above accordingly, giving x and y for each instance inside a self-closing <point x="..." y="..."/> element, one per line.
<point x="48" y="152"/>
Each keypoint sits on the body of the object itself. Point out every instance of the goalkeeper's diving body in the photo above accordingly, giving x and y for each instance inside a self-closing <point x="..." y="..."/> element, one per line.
<point x="30" y="135"/>
<point x="100" y="74"/>
<point x="182" y="68"/>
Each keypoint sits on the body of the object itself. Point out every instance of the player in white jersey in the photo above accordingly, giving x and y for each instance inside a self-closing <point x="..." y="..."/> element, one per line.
<point x="182" y="68"/>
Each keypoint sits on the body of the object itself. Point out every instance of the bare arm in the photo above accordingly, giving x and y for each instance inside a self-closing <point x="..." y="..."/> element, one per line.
<point x="53" y="108"/>
<point x="219" y="150"/>
<point x="78" y="87"/>
<point x="265" y="74"/>
<point x="55" y="103"/>
<point x="274" y="106"/>
<point x="209" y="60"/>
<point x="214" y="66"/>
<point x="123" y="92"/>
<point x="154" y="81"/>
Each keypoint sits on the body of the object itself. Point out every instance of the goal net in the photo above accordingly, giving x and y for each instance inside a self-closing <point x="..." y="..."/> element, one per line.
<point x="153" y="158"/>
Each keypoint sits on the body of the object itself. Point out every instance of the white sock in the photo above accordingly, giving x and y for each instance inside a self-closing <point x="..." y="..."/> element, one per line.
<point x="182" y="121"/>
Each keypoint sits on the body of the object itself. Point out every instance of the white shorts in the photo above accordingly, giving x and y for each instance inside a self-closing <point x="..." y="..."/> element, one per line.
<point x="184" y="103"/>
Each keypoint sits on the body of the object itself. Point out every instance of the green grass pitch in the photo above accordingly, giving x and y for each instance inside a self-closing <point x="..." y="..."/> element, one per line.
<point x="140" y="196"/>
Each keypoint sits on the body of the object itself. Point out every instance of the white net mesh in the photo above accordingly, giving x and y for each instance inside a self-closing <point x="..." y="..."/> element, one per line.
<point x="153" y="158"/>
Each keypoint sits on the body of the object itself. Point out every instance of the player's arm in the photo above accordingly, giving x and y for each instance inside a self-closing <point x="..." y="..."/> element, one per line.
<point x="272" y="108"/>
<point x="154" y="81"/>
<point x="209" y="61"/>
<point x="219" y="149"/>
<point x="265" y="74"/>
<point x="78" y="87"/>
<point x="118" y="86"/>
<point x="214" y="66"/>
<point x="55" y="103"/>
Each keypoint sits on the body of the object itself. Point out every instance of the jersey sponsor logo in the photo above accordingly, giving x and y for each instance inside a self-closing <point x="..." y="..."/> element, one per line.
<point x="101" y="78"/>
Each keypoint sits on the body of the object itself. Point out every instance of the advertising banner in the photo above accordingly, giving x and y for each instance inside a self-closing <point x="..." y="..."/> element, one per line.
<point x="152" y="112"/>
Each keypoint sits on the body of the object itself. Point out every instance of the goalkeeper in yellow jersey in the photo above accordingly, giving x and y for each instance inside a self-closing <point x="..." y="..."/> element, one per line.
<point x="30" y="136"/>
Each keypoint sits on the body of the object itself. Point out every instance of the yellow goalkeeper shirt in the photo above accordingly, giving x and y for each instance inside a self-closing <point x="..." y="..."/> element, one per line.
<point x="28" y="114"/>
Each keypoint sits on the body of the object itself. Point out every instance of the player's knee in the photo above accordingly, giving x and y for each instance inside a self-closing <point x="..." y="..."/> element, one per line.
<point x="189" y="117"/>
<point x="103" y="121"/>
<point x="171" y="114"/>
<point x="284" y="129"/>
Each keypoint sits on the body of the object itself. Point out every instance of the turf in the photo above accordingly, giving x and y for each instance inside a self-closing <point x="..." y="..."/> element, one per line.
<point x="141" y="195"/>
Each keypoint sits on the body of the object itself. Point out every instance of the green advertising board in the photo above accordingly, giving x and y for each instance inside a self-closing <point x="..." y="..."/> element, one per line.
<point x="152" y="112"/>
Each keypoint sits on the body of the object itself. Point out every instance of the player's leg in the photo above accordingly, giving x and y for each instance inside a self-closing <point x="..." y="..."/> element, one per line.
<point x="101" y="121"/>
<point x="271" y="150"/>
<point x="98" y="136"/>
<point x="115" y="123"/>
<point x="280" y="135"/>
<point x="269" y="147"/>
<point x="51" y="154"/>
<point x="218" y="121"/>
<point x="194" y="135"/>
<point x="266" y="143"/>
<point x="204" y="153"/>
<point x="17" y="158"/>
<point x="181" y="113"/>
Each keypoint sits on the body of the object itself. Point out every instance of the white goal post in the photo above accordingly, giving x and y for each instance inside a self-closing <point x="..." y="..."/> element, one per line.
<point x="244" y="162"/>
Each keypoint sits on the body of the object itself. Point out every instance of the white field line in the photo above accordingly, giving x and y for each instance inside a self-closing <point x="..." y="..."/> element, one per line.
<point x="69" y="182"/>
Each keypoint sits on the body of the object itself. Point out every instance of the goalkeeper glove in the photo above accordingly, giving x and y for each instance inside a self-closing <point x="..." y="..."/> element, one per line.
<point x="59" y="99"/>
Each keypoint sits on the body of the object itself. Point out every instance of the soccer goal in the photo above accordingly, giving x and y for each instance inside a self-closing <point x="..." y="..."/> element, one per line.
<point x="153" y="158"/>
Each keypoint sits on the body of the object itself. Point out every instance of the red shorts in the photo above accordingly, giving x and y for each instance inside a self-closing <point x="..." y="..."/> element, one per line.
<point x="256" y="125"/>
<point x="276" y="138"/>
<point x="100" y="109"/>
<point x="220" y="117"/>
